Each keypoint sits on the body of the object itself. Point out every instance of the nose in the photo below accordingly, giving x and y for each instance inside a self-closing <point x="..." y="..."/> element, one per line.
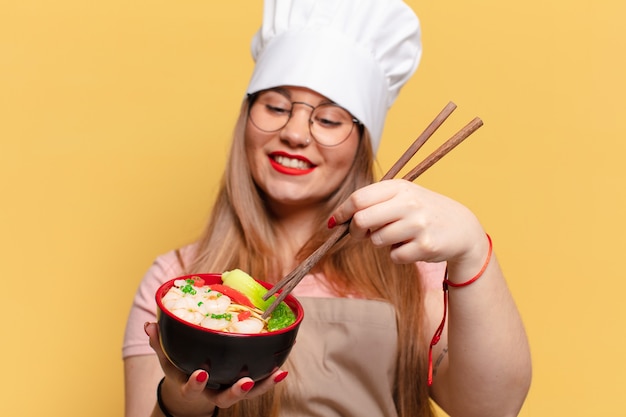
<point x="297" y="131"/>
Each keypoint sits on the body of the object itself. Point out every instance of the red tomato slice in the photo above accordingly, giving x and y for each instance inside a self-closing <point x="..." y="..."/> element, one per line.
<point x="244" y="315"/>
<point x="197" y="281"/>
<point x="233" y="294"/>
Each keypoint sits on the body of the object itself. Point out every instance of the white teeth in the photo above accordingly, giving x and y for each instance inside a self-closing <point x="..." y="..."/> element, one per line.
<point x="291" y="162"/>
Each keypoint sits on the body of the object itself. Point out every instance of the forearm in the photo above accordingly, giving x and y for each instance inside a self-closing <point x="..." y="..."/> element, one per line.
<point x="141" y="375"/>
<point x="143" y="389"/>
<point x="489" y="367"/>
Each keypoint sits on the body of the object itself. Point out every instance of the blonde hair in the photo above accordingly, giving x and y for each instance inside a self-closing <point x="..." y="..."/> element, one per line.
<point x="240" y="219"/>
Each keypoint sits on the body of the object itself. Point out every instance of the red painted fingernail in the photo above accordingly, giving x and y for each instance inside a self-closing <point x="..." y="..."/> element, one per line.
<point x="145" y="327"/>
<point x="281" y="376"/>
<point x="202" y="376"/>
<point x="247" y="386"/>
<point x="332" y="222"/>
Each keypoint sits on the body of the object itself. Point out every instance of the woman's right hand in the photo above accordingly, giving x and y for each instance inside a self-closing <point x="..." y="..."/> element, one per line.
<point x="187" y="396"/>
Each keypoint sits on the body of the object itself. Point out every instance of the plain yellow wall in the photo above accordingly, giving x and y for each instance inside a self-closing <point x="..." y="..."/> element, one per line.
<point x="114" y="123"/>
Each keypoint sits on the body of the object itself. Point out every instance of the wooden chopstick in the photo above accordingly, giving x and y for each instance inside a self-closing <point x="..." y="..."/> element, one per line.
<point x="292" y="279"/>
<point x="420" y="141"/>
<point x="289" y="282"/>
<point x="443" y="150"/>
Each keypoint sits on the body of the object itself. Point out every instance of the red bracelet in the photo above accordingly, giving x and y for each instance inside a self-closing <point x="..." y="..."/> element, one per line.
<point x="447" y="283"/>
<point x="478" y="275"/>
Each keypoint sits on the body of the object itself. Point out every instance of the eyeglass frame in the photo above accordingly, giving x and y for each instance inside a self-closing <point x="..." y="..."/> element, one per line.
<point x="253" y="96"/>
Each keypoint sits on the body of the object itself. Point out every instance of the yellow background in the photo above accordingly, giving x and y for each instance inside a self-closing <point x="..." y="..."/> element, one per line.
<point x="114" y="119"/>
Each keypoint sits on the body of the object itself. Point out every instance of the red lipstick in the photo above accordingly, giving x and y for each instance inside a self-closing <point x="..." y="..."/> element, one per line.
<point x="275" y="157"/>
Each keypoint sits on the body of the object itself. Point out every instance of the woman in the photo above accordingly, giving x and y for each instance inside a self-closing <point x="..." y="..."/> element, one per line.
<point x="301" y="162"/>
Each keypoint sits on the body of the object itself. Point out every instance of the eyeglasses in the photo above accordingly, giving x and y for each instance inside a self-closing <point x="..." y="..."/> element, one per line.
<point x="329" y="124"/>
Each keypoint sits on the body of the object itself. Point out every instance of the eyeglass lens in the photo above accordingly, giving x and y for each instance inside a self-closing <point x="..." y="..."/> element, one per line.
<point x="329" y="124"/>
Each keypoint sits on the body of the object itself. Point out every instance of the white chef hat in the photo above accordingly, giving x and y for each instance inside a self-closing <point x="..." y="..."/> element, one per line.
<point x="358" y="53"/>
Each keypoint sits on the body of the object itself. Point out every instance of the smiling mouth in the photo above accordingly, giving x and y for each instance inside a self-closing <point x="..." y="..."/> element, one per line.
<point x="291" y="162"/>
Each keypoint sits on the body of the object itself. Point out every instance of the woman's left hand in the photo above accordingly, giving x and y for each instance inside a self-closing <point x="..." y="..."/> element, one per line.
<point x="418" y="224"/>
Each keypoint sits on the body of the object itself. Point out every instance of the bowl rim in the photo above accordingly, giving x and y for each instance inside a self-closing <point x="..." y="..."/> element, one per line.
<point x="291" y="301"/>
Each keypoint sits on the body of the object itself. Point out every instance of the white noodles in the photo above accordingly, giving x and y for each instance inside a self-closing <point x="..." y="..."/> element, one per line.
<point x="211" y="309"/>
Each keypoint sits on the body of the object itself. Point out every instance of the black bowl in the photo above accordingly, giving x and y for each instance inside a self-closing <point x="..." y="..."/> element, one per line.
<point x="227" y="357"/>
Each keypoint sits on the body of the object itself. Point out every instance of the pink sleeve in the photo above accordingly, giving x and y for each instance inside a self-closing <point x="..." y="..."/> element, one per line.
<point x="143" y="309"/>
